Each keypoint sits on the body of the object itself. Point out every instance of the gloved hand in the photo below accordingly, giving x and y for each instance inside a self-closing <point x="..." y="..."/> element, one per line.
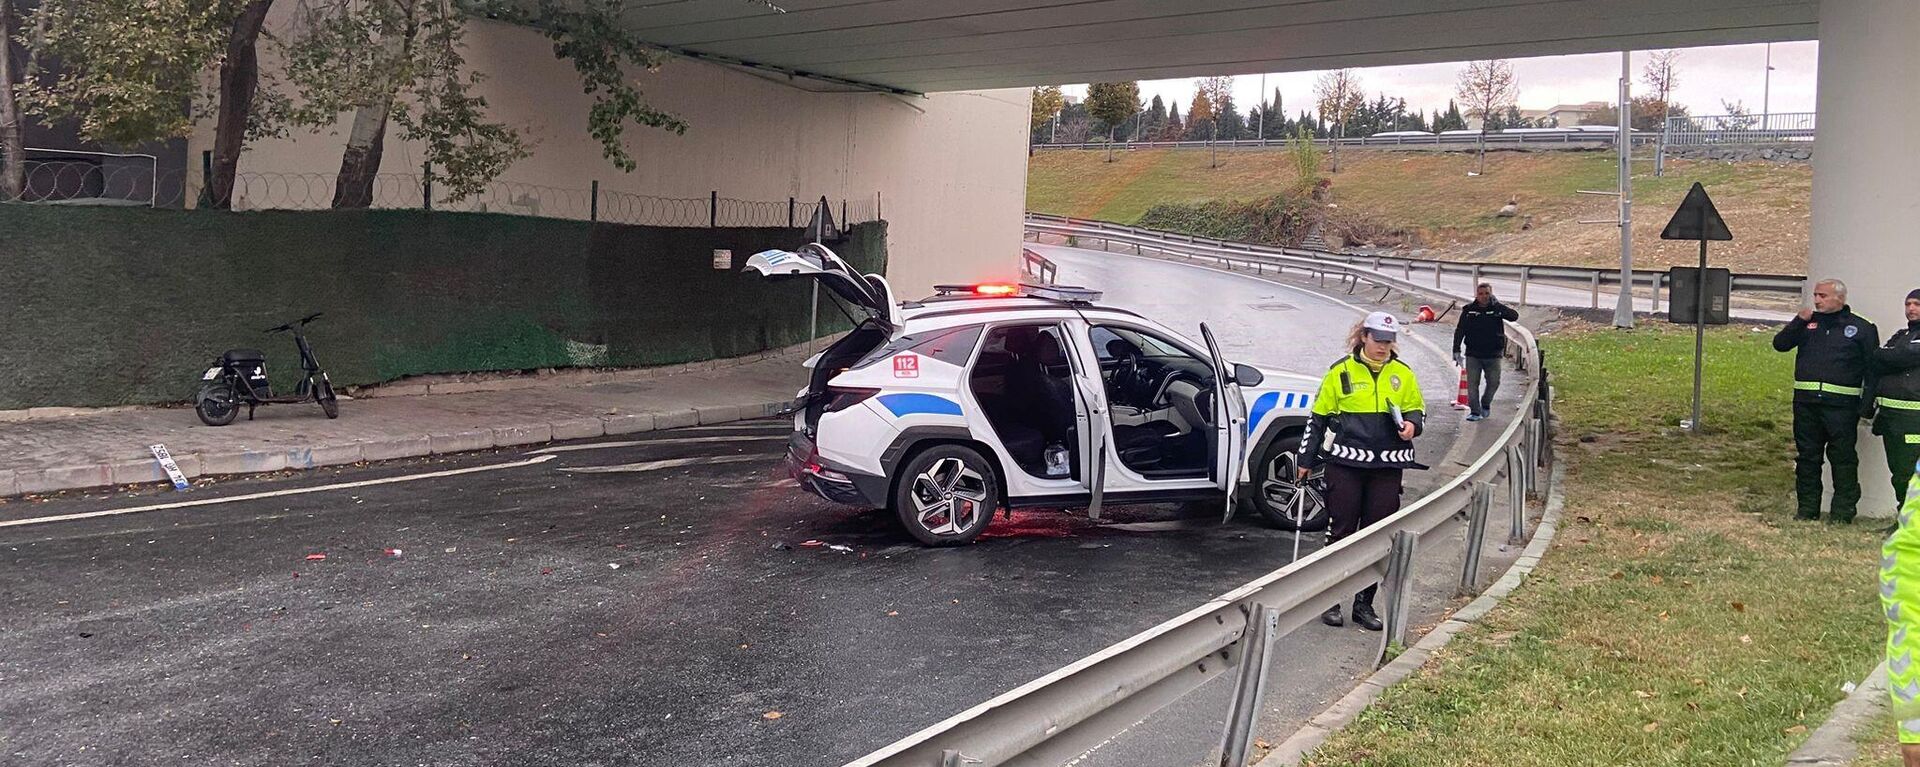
<point x="1459" y="360"/>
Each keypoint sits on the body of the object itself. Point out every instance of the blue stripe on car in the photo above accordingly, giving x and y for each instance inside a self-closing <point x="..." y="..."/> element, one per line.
<point x="919" y="404"/>
<point x="1261" y="407"/>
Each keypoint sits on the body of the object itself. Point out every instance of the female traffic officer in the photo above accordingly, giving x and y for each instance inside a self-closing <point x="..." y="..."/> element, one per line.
<point x="1364" y="420"/>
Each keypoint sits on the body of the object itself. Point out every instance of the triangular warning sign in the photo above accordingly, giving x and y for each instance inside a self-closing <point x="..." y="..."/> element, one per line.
<point x="822" y="228"/>
<point x="1696" y="219"/>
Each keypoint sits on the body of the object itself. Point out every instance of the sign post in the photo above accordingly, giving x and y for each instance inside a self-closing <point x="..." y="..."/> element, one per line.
<point x="1697" y="219"/>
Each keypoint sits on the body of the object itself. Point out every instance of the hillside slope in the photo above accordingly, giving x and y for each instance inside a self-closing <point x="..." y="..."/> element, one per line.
<point x="1765" y="204"/>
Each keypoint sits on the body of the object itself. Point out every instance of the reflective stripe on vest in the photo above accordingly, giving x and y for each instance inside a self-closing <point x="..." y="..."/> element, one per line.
<point x="1898" y="404"/>
<point x="1827" y="387"/>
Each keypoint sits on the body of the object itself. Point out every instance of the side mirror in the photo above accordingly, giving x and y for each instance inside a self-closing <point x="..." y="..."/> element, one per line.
<point x="1247" y="376"/>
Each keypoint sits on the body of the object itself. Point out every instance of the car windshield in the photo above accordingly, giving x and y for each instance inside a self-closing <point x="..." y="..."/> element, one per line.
<point x="1148" y="345"/>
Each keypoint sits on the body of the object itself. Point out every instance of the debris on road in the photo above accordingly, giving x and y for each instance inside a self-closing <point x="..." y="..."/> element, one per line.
<point x="841" y="549"/>
<point x="810" y="542"/>
<point x="315" y="557"/>
<point x="772" y="715"/>
<point x="613" y="565"/>
<point x="392" y="552"/>
<point x="782" y="546"/>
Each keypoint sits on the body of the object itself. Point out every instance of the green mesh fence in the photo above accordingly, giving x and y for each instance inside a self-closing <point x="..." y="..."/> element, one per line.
<point x="113" y="306"/>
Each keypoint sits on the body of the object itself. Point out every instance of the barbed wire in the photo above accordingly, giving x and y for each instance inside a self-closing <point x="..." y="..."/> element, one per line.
<point x="107" y="181"/>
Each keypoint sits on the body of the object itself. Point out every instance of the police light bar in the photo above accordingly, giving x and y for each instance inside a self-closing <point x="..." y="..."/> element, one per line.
<point x="1069" y="293"/>
<point x="1066" y="293"/>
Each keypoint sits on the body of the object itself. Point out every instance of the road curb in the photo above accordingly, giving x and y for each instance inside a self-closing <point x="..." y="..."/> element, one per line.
<point x="130" y="472"/>
<point x="1348" y="708"/>
<point x="1832" y="744"/>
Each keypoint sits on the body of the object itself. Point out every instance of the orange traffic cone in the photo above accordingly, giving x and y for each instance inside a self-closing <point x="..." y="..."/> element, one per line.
<point x="1460" y="402"/>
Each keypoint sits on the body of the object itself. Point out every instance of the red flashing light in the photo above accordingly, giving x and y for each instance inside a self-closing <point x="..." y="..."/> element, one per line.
<point x="996" y="289"/>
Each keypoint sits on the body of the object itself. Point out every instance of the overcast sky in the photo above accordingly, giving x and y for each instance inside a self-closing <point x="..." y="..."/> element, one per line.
<point x="1706" y="77"/>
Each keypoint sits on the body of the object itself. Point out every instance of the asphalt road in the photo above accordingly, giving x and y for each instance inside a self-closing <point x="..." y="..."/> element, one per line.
<point x="664" y="609"/>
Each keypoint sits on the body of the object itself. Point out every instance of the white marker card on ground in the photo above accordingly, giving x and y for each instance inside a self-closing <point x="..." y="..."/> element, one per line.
<point x="170" y="466"/>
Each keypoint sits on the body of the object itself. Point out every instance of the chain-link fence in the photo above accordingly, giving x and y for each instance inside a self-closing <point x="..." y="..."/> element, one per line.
<point x="98" y="178"/>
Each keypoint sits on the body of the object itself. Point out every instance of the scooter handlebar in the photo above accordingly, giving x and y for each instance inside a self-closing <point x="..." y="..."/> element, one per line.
<point x="289" y="326"/>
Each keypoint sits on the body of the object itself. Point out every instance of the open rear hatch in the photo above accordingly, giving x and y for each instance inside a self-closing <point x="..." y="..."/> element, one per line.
<point x="868" y="293"/>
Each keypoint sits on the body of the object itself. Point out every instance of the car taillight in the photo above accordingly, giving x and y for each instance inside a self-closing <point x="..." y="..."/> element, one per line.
<point x="842" y="397"/>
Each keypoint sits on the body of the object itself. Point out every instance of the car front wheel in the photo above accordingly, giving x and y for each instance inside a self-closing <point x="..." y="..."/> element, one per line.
<point x="946" y="495"/>
<point x="1279" y="495"/>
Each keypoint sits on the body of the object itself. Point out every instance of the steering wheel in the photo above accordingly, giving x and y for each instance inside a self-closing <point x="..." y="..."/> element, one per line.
<point x="1128" y="376"/>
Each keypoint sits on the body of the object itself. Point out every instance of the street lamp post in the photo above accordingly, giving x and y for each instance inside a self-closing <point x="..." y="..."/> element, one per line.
<point x="1766" y="90"/>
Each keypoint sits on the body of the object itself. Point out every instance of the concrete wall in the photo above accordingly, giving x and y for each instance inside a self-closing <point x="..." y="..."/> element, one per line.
<point x="948" y="170"/>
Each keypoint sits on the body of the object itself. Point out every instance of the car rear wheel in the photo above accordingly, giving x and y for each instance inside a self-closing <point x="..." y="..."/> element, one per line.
<point x="1279" y="495"/>
<point x="946" y="495"/>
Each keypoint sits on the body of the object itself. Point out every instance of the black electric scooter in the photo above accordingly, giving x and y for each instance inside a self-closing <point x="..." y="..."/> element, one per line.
<point x="239" y="377"/>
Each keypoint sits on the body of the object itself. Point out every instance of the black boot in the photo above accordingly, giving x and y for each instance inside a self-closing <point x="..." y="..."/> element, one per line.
<point x="1332" y="617"/>
<point x="1363" y="614"/>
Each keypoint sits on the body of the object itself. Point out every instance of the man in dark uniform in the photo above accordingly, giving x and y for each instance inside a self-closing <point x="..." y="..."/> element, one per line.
<point x="1483" y="331"/>
<point x="1898" y="397"/>
<point x="1832" y="390"/>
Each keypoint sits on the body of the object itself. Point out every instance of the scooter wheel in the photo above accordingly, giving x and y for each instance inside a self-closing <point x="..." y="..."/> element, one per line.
<point x="329" y="403"/>
<point x="216" y="406"/>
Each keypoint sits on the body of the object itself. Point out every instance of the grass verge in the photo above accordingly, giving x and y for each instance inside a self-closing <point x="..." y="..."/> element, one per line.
<point x="1681" y="617"/>
<point x="1429" y="193"/>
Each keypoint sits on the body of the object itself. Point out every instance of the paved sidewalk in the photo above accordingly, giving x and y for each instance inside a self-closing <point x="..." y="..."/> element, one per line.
<point x="110" y="447"/>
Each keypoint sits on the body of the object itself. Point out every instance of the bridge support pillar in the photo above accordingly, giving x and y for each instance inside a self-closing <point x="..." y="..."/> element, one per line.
<point x="1866" y="178"/>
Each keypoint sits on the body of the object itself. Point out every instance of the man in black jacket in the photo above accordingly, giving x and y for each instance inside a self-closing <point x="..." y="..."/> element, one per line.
<point x="1483" y="328"/>
<point x="1898" y="399"/>
<point x="1832" y="390"/>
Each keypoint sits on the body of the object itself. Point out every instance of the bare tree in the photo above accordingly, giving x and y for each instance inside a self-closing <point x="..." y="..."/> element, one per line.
<point x="1339" y="97"/>
<point x="1487" y="88"/>
<point x="1661" y="76"/>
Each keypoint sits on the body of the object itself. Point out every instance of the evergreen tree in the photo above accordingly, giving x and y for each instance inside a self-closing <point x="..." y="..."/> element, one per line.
<point x="1452" y="120"/>
<point x="1156" y="119"/>
<point x="1173" y="130"/>
<point x="1232" y="126"/>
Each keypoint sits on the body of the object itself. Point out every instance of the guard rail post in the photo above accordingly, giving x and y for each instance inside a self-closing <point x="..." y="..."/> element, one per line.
<point x="1477" y="508"/>
<point x="1596" y="290"/>
<point x="1657" y="280"/>
<point x="1476" y="277"/>
<point x="1525" y="272"/>
<point x="1408" y="271"/>
<point x="1250" y="684"/>
<point x="1399" y="581"/>
<point x="1436" y="275"/>
<point x="1516" y="497"/>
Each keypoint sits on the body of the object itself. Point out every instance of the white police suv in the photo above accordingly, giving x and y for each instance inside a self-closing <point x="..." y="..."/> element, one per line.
<point x="985" y="397"/>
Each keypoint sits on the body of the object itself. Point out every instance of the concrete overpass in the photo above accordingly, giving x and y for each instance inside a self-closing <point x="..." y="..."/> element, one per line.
<point x="1866" y="193"/>
<point x="944" y="45"/>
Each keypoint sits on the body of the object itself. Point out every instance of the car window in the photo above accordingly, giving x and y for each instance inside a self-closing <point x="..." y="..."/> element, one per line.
<point x="1150" y="345"/>
<point x="950" y="345"/>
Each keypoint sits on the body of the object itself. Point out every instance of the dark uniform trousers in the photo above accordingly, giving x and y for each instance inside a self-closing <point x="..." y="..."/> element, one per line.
<point x="1900" y="433"/>
<point x="1834" y="431"/>
<point x="1358" y="499"/>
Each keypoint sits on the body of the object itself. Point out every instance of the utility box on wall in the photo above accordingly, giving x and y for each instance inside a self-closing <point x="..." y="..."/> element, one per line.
<point x="1684" y="289"/>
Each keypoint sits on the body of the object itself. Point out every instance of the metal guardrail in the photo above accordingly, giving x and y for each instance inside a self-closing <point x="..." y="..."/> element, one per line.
<point x="1778" y="127"/>
<point x="1379" y="266"/>
<point x="1057" y="717"/>
<point x="1038" y="266"/>
<point x="1585" y="139"/>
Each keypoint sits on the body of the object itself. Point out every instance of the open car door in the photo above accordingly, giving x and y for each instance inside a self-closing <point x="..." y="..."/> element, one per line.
<point x="1230" y="424"/>
<point x="868" y="292"/>
<point x="1095" y="425"/>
